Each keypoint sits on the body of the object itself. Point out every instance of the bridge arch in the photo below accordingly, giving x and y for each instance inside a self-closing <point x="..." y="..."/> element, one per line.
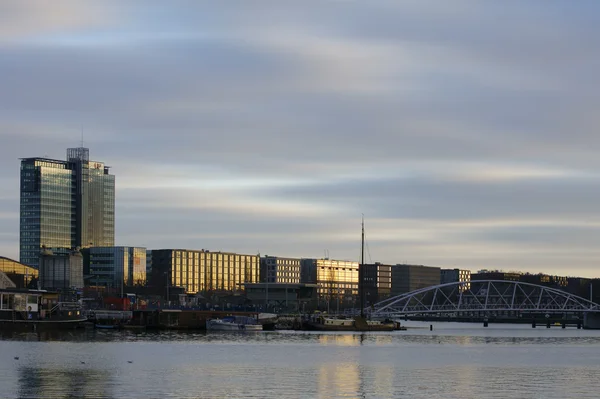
<point x="487" y="296"/>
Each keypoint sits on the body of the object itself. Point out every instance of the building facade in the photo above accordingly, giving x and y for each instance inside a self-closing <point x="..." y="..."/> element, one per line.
<point x="558" y="282"/>
<point x="377" y="282"/>
<point x="455" y="276"/>
<point x="336" y="280"/>
<point x="496" y="275"/>
<point x="5" y="282"/>
<point x="205" y="272"/>
<point x="115" y="267"/>
<point x="274" y="269"/>
<point x="282" y="296"/>
<point x="148" y="262"/>
<point x="65" y="205"/>
<point x="61" y="272"/>
<point x="21" y="275"/>
<point x="407" y="278"/>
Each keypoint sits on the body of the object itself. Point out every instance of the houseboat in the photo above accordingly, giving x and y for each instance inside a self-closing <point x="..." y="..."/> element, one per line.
<point x="321" y="323"/>
<point x="34" y="309"/>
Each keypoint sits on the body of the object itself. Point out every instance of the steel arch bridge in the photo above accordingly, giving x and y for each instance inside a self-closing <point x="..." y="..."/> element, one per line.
<point x="493" y="297"/>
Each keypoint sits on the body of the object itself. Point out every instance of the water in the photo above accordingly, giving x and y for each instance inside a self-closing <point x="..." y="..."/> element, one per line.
<point x="453" y="361"/>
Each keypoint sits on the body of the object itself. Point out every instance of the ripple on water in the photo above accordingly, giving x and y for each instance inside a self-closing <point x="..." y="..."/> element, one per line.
<point x="415" y="363"/>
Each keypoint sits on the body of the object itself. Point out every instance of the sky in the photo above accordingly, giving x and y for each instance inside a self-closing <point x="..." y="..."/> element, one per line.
<point x="464" y="131"/>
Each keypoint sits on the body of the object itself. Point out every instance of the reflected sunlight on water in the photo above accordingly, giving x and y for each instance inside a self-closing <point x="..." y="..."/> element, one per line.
<point x="445" y="363"/>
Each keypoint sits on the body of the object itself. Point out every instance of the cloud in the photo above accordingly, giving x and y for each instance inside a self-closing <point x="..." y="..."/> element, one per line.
<point x="465" y="132"/>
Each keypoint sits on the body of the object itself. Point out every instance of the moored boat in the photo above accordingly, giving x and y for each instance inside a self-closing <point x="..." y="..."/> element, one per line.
<point x="347" y="324"/>
<point x="107" y="326"/>
<point x="233" y="323"/>
<point x="33" y="309"/>
<point x="330" y="324"/>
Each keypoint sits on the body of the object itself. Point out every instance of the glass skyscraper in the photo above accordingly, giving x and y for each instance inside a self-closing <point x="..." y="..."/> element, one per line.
<point x="65" y="205"/>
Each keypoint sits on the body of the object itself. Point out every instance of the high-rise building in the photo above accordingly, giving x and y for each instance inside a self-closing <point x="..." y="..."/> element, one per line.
<point x="65" y="205"/>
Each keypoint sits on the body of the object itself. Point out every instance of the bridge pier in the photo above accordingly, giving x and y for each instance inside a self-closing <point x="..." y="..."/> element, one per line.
<point x="548" y="324"/>
<point x="485" y="322"/>
<point x="533" y="324"/>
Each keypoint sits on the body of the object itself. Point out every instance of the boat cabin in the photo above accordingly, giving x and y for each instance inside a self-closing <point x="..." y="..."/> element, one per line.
<point x="26" y="304"/>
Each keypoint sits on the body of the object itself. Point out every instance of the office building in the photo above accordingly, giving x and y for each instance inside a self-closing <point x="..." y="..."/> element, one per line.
<point x="115" y="267"/>
<point x="65" y="205"/>
<point x="202" y="271"/>
<point x="148" y="263"/>
<point x="337" y="281"/>
<point x="558" y="282"/>
<point x="274" y="269"/>
<point x="407" y="278"/>
<point x="496" y="275"/>
<point x="377" y="282"/>
<point x="455" y="276"/>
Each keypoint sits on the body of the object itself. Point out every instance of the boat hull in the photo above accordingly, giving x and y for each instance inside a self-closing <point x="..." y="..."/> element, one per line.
<point x="36" y="325"/>
<point x="357" y="324"/>
<point x="218" y="325"/>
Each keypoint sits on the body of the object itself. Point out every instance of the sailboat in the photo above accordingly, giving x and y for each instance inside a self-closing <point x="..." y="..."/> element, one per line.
<point x="359" y="323"/>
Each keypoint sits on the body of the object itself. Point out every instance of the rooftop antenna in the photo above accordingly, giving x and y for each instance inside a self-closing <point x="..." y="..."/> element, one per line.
<point x="81" y="136"/>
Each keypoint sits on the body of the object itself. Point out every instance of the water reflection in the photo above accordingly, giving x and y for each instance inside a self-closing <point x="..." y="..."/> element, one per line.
<point x="89" y="363"/>
<point x="518" y="337"/>
<point x="341" y="378"/>
<point x="61" y="382"/>
<point x="341" y="339"/>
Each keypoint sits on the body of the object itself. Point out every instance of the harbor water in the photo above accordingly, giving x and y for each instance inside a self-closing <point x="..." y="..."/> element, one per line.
<point x="452" y="361"/>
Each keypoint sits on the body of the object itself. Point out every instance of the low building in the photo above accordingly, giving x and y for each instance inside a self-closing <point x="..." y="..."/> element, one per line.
<point x="61" y="272"/>
<point x="275" y="269"/>
<point x="496" y="275"/>
<point x="337" y="282"/>
<point x="5" y="282"/>
<point x="203" y="271"/>
<point x="281" y="296"/>
<point x="559" y="282"/>
<point x="21" y="275"/>
<point x="407" y="278"/>
<point x="115" y="267"/>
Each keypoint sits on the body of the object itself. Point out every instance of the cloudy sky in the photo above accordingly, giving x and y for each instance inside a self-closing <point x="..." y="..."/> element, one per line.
<point x="464" y="131"/>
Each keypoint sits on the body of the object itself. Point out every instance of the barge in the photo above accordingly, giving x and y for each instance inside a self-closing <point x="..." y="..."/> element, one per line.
<point x="37" y="309"/>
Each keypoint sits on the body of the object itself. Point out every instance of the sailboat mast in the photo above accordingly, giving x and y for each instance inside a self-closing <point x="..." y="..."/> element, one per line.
<point x="361" y="269"/>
